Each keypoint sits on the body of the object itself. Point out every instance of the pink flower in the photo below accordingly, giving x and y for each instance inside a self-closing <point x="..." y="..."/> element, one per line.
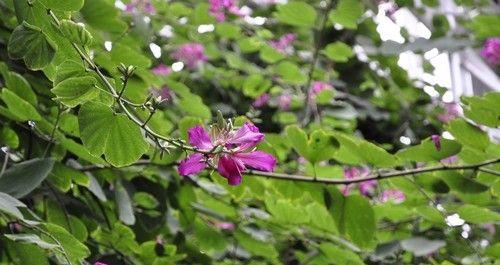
<point x="218" y="9"/>
<point x="225" y="226"/>
<point x="163" y="94"/>
<point x="393" y="195"/>
<point x="450" y="160"/>
<point x="144" y="5"/>
<point x="100" y="263"/>
<point x="284" y="101"/>
<point x="190" y="53"/>
<point x="238" y="152"/>
<point x="284" y="44"/>
<point x="161" y="69"/>
<point x="261" y="100"/>
<point x="317" y="87"/>
<point x="491" y="51"/>
<point x="451" y="111"/>
<point x="436" y="139"/>
<point x="365" y="187"/>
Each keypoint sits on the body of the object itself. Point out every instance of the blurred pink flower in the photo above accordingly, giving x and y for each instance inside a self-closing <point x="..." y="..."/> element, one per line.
<point x="190" y="53"/>
<point x="140" y="5"/>
<point x="237" y="155"/>
<point x="393" y="195"/>
<point x="436" y="139"/>
<point x="225" y="226"/>
<point x="261" y="100"/>
<point x="284" y="101"/>
<point x="317" y="87"/>
<point x="100" y="263"/>
<point x="365" y="187"/>
<point x="163" y="94"/>
<point x="161" y="69"/>
<point x="450" y="160"/>
<point x="218" y="9"/>
<point x="451" y="111"/>
<point x="284" y="44"/>
<point x="491" y="51"/>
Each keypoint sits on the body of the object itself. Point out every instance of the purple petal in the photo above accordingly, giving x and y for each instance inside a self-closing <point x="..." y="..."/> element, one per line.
<point x="247" y="134"/>
<point x="199" y="138"/>
<point x="367" y="187"/>
<point x="231" y="169"/>
<point x="436" y="139"/>
<point x="161" y="69"/>
<point x="257" y="160"/>
<point x="394" y="195"/>
<point x="191" y="165"/>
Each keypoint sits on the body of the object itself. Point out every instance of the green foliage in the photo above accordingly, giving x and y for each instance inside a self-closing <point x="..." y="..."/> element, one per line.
<point x="97" y="105"/>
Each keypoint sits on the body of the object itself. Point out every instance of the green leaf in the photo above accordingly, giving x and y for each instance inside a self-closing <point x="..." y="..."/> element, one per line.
<point x="256" y="247"/>
<point x="145" y="200"/>
<point x="485" y="26"/>
<point x="121" y="53"/>
<point x="104" y="132"/>
<point x="320" y="145"/>
<point x="477" y="215"/>
<point x="63" y="5"/>
<point x="321" y="218"/>
<point x="18" y="107"/>
<point x="359" y="221"/>
<point x="22" y="178"/>
<point x="125" y="210"/>
<point x="427" y="151"/>
<point x="270" y="55"/>
<point x="76" y="32"/>
<point x="68" y="69"/>
<point x="9" y="137"/>
<point x="458" y="182"/>
<point x="421" y="246"/>
<point x="375" y="155"/>
<point x="341" y="256"/>
<point x="290" y="73"/>
<point x="76" y="90"/>
<point x="191" y="103"/>
<point x="228" y="30"/>
<point x="347" y="13"/>
<point x="484" y="109"/>
<point x="103" y="15"/>
<point x="31" y="239"/>
<point x="284" y="211"/>
<point x="19" y="85"/>
<point x="75" y="250"/>
<point x="468" y="134"/>
<point x="296" y="14"/>
<point x="29" y="43"/>
<point x="298" y="139"/>
<point x="10" y="205"/>
<point x="338" y="52"/>
<point x="255" y="85"/>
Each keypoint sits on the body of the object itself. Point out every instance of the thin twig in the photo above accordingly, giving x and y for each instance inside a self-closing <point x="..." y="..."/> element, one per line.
<point x="52" y="134"/>
<point x="489" y="171"/>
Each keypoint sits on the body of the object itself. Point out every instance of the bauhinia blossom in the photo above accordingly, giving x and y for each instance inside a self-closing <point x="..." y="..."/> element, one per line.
<point x="436" y="139"/>
<point x="396" y="196"/>
<point x="284" y="101"/>
<point x="191" y="54"/>
<point x="284" y="44"/>
<point x="164" y="94"/>
<point x="143" y="5"/>
<point x="161" y="70"/>
<point x="218" y="9"/>
<point x="365" y="187"/>
<point x="491" y="51"/>
<point x="317" y="87"/>
<point x="451" y="111"/>
<point x="236" y="152"/>
<point x="261" y="100"/>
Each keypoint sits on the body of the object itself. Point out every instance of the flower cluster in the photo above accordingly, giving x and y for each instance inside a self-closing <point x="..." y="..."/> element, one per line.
<point x="284" y="44"/>
<point x="218" y="9"/>
<point x="143" y="5"/>
<point x="491" y="51"/>
<point x="365" y="187"/>
<point x="317" y="87"/>
<point x="230" y="151"/>
<point x="191" y="54"/>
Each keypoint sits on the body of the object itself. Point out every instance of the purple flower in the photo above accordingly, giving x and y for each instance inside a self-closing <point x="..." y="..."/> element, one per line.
<point x="190" y="53"/>
<point x="436" y="139"/>
<point x="450" y="160"/>
<point x="100" y="263"/>
<point x="284" y="101"/>
<point x="491" y="51"/>
<point x="317" y="87"/>
<point x="161" y="69"/>
<point x="218" y="9"/>
<point x="451" y="111"/>
<point x="393" y="195"/>
<point x="238" y="152"/>
<point x="365" y="187"/>
<point x="284" y="44"/>
<point x="261" y="100"/>
<point x="225" y="226"/>
<point x="163" y="94"/>
<point x="143" y="5"/>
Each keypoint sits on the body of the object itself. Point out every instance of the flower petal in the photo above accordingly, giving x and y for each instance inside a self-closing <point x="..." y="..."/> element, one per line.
<point x="247" y="134"/>
<point x="199" y="138"/>
<point x="191" y="165"/>
<point x="230" y="168"/>
<point x="257" y="160"/>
